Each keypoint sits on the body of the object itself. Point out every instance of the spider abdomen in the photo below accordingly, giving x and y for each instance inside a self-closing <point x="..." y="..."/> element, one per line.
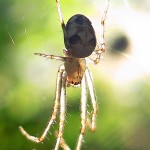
<point x="81" y="39"/>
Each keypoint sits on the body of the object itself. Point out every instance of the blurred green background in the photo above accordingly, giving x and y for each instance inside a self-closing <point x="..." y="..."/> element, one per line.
<point x="121" y="79"/>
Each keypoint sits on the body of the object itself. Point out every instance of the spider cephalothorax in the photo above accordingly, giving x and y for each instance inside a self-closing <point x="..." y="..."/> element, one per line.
<point x="80" y="42"/>
<point x="75" y="69"/>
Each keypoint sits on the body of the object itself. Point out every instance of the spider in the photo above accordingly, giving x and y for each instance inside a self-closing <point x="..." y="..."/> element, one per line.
<point x="80" y="42"/>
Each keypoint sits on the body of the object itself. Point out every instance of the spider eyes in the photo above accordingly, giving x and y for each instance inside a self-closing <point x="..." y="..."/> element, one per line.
<point x="74" y="39"/>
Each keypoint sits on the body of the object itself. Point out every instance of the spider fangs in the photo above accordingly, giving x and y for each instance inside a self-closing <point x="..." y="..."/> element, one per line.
<point x="80" y="42"/>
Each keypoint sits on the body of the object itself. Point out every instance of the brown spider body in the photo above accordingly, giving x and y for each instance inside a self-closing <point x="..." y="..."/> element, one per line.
<point x="75" y="68"/>
<point x="80" y="42"/>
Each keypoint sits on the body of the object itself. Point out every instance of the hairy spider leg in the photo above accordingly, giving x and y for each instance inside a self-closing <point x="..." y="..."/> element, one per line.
<point x="102" y="38"/>
<point x="63" y="144"/>
<point x="54" y="114"/>
<point x="51" y="56"/>
<point x="62" y="110"/>
<point x="83" y="112"/>
<point x="61" y="19"/>
<point x="93" y="98"/>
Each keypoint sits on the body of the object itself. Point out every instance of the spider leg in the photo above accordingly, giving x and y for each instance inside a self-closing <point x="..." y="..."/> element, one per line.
<point x="61" y="18"/>
<point x="103" y="46"/>
<point x="63" y="144"/>
<point x="62" y="111"/>
<point x="83" y="112"/>
<point x="88" y="121"/>
<point x="102" y="38"/>
<point x="54" y="114"/>
<point x="51" y="56"/>
<point x="93" y="100"/>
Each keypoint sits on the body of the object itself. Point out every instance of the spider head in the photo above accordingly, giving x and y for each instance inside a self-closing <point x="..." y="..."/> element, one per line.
<point x="81" y="39"/>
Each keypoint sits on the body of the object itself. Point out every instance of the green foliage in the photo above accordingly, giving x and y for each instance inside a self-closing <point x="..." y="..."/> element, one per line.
<point x="27" y="90"/>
